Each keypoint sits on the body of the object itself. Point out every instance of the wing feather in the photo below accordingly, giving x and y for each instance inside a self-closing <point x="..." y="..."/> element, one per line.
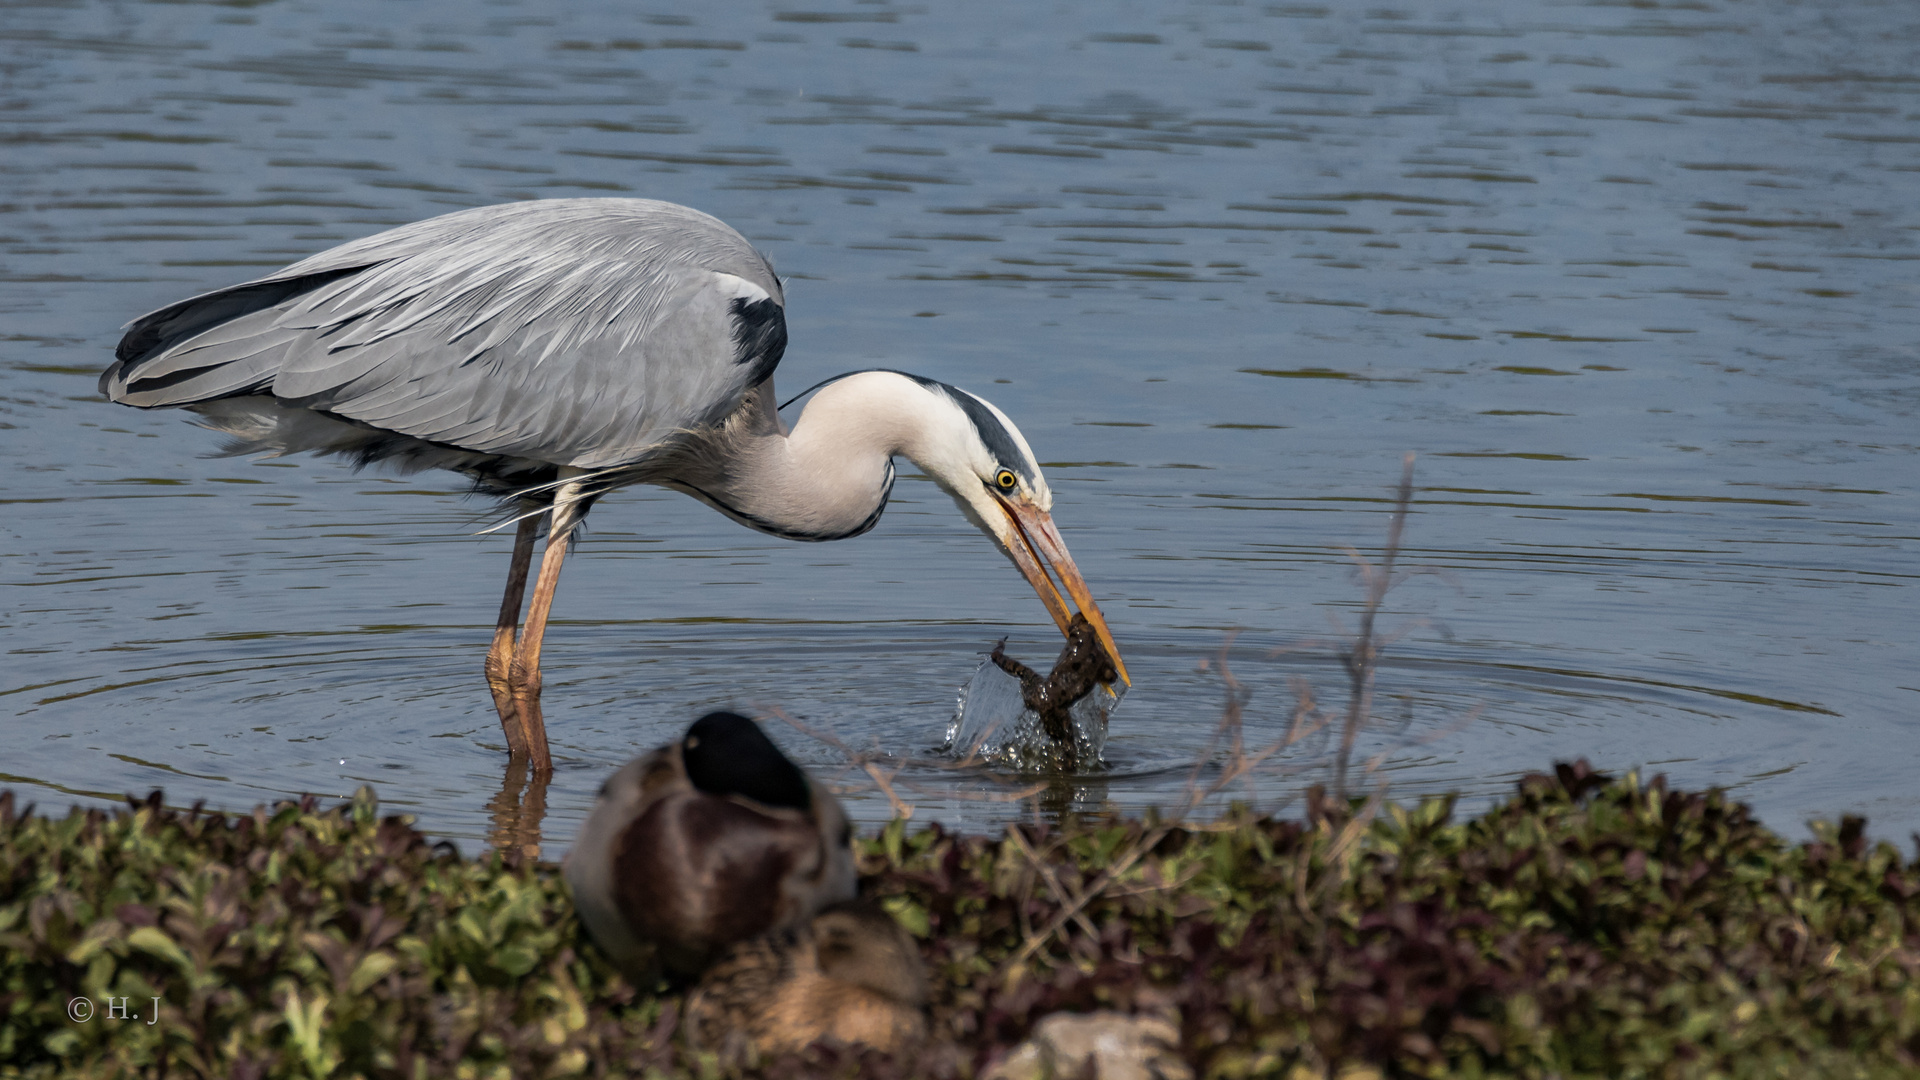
<point x="579" y="331"/>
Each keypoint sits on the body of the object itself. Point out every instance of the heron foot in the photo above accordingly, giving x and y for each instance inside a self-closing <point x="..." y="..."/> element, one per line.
<point x="498" y="664"/>
<point x="523" y="685"/>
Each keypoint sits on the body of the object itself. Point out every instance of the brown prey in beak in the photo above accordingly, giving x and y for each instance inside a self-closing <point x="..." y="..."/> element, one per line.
<point x="1035" y="549"/>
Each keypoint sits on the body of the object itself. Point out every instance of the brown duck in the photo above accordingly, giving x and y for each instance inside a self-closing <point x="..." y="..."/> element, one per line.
<point x="703" y="843"/>
<point x="851" y="975"/>
<point x="1082" y="665"/>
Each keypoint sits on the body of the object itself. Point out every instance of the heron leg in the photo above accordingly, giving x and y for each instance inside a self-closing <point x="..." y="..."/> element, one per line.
<point x="506" y="634"/>
<point x="524" y="674"/>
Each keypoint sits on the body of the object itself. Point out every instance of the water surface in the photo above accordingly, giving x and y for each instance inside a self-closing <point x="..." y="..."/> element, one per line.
<point x="1635" y="281"/>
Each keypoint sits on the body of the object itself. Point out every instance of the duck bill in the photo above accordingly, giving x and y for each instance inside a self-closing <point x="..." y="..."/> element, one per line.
<point x="1036" y="548"/>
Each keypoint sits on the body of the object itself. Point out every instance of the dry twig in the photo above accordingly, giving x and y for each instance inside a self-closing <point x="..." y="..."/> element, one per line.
<point x="1363" y="659"/>
<point x="1067" y="897"/>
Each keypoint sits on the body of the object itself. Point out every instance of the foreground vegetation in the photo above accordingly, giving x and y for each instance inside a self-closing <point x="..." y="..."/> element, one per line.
<point x="1583" y="928"/>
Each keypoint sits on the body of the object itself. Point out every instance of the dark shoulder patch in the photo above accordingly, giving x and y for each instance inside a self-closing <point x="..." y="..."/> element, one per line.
<point x="728" y="754"/>
<point x="759" y="336"/>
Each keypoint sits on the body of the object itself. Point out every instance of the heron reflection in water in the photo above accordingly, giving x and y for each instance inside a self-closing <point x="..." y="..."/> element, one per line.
<point x="556" y="350"/>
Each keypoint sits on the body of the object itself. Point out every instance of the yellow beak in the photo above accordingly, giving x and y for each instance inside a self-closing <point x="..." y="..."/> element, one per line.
<point x="1036" y="546"/>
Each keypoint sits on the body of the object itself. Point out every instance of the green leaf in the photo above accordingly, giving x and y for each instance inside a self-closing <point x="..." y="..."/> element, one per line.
<point x="371" y="969"/>
<point x="911" y="916"/>
<point x="516" y="960"/>
<point x="152" y="940"/>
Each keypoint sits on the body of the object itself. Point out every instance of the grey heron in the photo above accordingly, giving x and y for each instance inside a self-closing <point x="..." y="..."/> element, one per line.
<point x="556" y="350"/>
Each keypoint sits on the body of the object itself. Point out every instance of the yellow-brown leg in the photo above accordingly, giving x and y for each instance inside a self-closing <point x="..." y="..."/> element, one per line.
<point x="524" y="675"/>
<point x="506" y="634"/>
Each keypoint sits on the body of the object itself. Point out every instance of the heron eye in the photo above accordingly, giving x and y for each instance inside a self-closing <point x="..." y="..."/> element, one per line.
<point x="1006" y="480"/>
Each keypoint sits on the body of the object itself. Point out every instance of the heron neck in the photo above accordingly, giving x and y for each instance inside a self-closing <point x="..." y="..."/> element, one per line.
<point x="828" y="477"/>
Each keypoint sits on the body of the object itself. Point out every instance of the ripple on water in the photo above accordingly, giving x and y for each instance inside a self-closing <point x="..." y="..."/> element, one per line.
<point x="1297" y="240"/>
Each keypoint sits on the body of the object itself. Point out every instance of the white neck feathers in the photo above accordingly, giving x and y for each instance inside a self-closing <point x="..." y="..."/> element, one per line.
<point x="828" y="478"/>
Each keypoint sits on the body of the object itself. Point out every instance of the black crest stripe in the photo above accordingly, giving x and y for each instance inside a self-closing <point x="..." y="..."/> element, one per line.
<point x="999" y="441"/>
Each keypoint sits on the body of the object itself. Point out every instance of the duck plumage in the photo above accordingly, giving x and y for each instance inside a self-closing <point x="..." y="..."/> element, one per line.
<point x="851" y="975"/>
<point x="706" y="842"/>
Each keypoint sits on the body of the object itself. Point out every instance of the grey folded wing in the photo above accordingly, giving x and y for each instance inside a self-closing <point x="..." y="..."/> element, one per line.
<point x="582" y="332"/>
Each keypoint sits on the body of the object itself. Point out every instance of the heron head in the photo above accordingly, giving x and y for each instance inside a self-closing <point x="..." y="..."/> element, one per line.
<point x="968" y="447"/>
<point x="980" y="458"/>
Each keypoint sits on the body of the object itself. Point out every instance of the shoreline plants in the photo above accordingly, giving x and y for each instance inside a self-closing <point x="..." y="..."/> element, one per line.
<point x="1584" y="927"/>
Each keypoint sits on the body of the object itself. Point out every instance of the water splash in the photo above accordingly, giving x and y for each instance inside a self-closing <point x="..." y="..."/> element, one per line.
<point x="992" y="723"/>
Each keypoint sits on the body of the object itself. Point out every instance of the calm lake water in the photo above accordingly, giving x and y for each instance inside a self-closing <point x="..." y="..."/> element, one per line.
<point x="1636" y="281"/>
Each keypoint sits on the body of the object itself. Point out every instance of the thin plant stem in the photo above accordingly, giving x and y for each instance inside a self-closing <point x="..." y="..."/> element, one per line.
<point x="1363" y="659"/>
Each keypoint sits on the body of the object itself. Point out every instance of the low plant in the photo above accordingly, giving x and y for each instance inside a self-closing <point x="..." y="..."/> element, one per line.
<point x="1582" y="928"/>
